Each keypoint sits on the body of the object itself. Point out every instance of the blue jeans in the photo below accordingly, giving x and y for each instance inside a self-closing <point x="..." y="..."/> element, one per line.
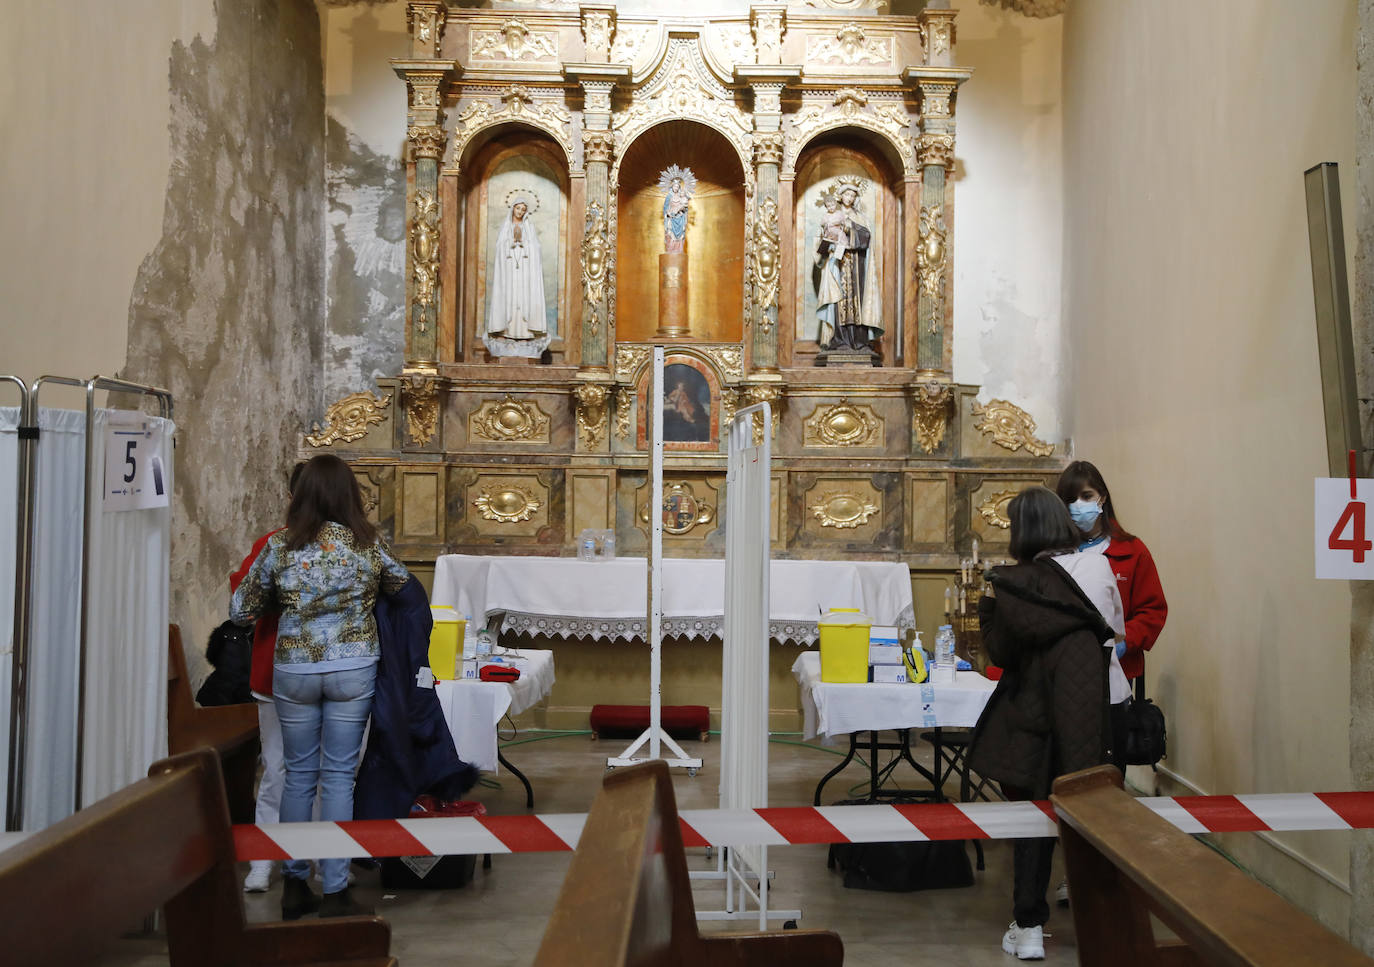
<point x="322" y="720"/>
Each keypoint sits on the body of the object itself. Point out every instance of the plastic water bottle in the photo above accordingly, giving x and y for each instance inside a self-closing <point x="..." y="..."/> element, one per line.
<point x="469" y="638"/>
<point x="586" y="545"/>
<point x="944" y="653"/>
<point x="485" y="641"/>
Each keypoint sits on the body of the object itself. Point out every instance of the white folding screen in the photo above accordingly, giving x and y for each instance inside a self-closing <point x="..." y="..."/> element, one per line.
<point x="9" y="521"/>
<point x="125" y="712"/>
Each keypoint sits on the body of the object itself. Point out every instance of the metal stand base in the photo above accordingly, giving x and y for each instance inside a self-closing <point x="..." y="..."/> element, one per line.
<point x="628" y="757"/>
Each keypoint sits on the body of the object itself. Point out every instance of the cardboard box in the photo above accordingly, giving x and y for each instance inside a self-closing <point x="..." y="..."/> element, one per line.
<point x="884" y="654"/>
<point x="883" y="635"/>
<point x="890" y="674"/>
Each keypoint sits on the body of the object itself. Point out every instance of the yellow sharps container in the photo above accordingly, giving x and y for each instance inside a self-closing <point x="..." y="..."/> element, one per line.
<point x="446" y="643"/>
<point x="844" y="645"/>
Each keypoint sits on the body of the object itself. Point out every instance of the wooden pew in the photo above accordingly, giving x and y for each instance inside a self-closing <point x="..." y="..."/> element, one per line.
<point x="1125" y="862"/>
<point x="627" y="898"/>
<point x="68" y="891"/>
<point x="231" y="730"/>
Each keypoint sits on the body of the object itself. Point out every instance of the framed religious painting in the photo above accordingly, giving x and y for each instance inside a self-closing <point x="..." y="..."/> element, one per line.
<point x="691" y="405"/>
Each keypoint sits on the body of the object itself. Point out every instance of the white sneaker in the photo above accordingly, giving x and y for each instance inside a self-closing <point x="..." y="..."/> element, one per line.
<point x="1027" y="943"/>
<point x="259" y="876"/>
<point x="1061" y="893"/>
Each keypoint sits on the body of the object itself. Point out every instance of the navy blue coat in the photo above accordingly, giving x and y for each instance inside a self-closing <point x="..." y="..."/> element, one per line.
<point x="410" y="749"/>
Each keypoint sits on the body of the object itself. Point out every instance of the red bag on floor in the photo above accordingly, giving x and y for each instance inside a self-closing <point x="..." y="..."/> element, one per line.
<point x="432" y="872"/>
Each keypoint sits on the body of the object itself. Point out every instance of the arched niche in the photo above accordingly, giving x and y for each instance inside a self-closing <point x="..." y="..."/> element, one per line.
<point x="715" y="233"/>
<point x="834" y="155"/>
<point x="515" y="161"/>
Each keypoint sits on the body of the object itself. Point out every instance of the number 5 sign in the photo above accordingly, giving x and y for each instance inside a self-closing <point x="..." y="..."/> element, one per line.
<point x="135" y="459"/>
<point x="1343" y="546"/>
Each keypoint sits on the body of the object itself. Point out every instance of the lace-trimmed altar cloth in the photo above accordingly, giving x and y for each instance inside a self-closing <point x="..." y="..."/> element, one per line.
<point x="567" y="598"/>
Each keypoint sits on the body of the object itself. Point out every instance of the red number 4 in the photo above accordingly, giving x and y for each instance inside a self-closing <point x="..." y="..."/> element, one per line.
<point x="1357" y="543"/>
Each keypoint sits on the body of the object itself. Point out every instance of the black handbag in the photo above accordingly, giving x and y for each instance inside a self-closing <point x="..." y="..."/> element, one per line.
<point x="1146" y="735"/>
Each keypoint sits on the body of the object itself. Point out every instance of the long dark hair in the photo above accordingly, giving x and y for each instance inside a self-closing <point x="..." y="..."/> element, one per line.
<point x="326" y="491"/>
<point x="1040" y="523"/>
<point x="1080" y="474"/>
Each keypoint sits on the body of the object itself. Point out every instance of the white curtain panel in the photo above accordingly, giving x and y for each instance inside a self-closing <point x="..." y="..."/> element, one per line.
<point x="126" y="663"/>
<point x="9" y="522"/>
<point x="126" y="634"/>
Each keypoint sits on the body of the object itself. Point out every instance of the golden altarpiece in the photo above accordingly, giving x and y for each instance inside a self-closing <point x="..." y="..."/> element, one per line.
<point x="546" y="151"/>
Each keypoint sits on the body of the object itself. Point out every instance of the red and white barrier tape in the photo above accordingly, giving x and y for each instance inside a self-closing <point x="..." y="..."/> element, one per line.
<point x="438" y="836"/>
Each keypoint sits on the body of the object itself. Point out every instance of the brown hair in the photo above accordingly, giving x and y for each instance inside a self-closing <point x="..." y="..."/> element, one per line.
<point x="1040" y="523"/>
<point x="1080" y="474"/>
<point x="326" y="491"/>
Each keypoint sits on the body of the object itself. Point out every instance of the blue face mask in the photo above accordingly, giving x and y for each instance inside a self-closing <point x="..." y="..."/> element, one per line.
<point x="1085" y="514"/>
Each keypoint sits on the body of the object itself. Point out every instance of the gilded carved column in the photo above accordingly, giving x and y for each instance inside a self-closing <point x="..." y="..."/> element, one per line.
<point x="426" y="19"/>
<point x="426" y="140"/>
<point x="598" y="145"/>
<point x="768" y="82"/>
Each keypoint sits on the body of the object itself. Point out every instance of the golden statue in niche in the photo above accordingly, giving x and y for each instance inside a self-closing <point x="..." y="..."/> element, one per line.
<point x="678" y="186"/>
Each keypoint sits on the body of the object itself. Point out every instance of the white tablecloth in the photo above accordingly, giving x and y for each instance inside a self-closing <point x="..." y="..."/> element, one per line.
<point x="607" y="599"/>
<point x="474" y="708"/>
<point x="831" y="709"/>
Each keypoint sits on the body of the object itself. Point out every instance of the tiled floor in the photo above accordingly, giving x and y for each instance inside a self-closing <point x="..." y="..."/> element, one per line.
<point x="498" y="919"/>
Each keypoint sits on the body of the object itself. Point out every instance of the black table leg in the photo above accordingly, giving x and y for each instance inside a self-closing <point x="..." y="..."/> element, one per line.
<point x="529" y="793"/>
<point x="838" y="769"/>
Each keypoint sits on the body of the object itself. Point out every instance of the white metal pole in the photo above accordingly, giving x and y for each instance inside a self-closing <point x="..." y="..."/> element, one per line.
<point x="656" y="562"/>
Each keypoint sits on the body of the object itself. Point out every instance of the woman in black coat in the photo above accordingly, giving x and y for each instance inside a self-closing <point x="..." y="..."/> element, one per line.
<point x="1048" y="714"/>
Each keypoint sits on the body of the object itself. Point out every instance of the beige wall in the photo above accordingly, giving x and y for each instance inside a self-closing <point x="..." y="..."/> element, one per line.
<point x="1193" y="377"/>
<point x="83" y="111"/>
<point x="1009" y="209"/>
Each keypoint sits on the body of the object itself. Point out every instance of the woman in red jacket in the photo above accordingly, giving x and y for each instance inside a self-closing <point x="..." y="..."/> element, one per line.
<point x="1082" y="488"/>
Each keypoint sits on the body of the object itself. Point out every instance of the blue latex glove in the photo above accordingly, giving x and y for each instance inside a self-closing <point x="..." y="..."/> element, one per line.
<point x="1121" y="648"/>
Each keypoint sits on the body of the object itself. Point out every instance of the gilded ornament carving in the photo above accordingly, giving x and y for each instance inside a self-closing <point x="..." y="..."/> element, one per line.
<point x="683" y="88"/>
<point x="424" y="97"/>
<point x="935" y="98"/>
<point x="764" y="262"/>
<point x="1030" y="8"/>
<point x="850" y="47"/>
<point x="348" y="419"/>
<point x="598" y="26"/>
<point x="729" y="403"/>
<point x="728" y="359"/>
<point x="768" y="26"/>
<point x="597" y="147"/>
<point x="876" y="6"/>
<point x="850" y="108"/>
<point x="629" y="43"/>
<point x="509" y="421"/>
<point x="424" y="249"/>
<point x="844" y="509"/>
<point x="936" y="148"/>
<point x="624" y="413"/>
<point x="513" y="41"/>
<point x="371" y="492"/>
<point x="426" y="27"/>
<point x="422" y="407"/>
<point x="629" y="359"/>
<point x="768" y="147"/>
<point x="596" y="97"/>
<point x="738" y="42"/>
<point x="591" y="413"/>
<point x="506" y="503"/>
<point x="941" y="37"/>
<point x="426" y="140"/>
<point x="843" y="424"/>
<point x="1010" y="427"/>
<point x="767" y="98"/>
<point x="683" y="510"/>
<point x="518" y="105"/>
<point x="931" y="259"/>
<point x="934" y="405"/>
<point x="770" y="393"/>
<point x="994" y="509"/>
<point x="595" y="257"/>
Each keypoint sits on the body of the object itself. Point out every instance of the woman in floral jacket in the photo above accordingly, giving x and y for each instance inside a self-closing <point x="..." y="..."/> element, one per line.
<point x="323" y="573"/>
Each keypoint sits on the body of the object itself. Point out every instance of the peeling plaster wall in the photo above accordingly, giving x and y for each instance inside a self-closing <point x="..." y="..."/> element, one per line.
<point x="227" y="309"/>
<point x="83" y="172"/>
<point x="365" y="185"/>
<point x="1009" y="211"/>
<point x="1194" y="379"/>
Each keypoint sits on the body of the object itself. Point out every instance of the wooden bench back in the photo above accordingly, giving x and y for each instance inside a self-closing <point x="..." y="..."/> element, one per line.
<point x="627" y="897"/>
<point x="71" y="889"/>
<point x="1125" y="862"/>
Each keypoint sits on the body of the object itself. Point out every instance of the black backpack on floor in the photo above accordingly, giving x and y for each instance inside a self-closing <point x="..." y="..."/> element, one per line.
<point x="902" y="867"/>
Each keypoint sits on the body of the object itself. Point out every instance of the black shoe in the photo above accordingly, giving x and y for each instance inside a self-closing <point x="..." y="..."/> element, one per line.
<point x="297" y="899"/>
<point x="342" y="904"/>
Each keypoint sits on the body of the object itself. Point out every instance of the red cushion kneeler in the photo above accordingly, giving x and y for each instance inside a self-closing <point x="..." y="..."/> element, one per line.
<point x="628" y="721"/>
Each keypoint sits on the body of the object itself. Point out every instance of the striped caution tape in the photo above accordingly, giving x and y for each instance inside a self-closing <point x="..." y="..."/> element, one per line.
<point x="439" y="836"/>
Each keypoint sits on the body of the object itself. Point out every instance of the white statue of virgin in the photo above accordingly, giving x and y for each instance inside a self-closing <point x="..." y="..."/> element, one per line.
<point x="516" y="324"/>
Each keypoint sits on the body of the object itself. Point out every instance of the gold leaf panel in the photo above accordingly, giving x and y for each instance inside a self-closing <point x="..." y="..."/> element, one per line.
<point x="509" y="421"/>
<point x="843" y="424"/>
<point x="506" y="505"/>
<point x="843" y="509"/>
<point x="994" y="509"/>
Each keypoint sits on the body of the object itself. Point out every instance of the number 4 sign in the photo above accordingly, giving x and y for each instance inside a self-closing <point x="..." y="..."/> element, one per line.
<point x="1343" y="546"/>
